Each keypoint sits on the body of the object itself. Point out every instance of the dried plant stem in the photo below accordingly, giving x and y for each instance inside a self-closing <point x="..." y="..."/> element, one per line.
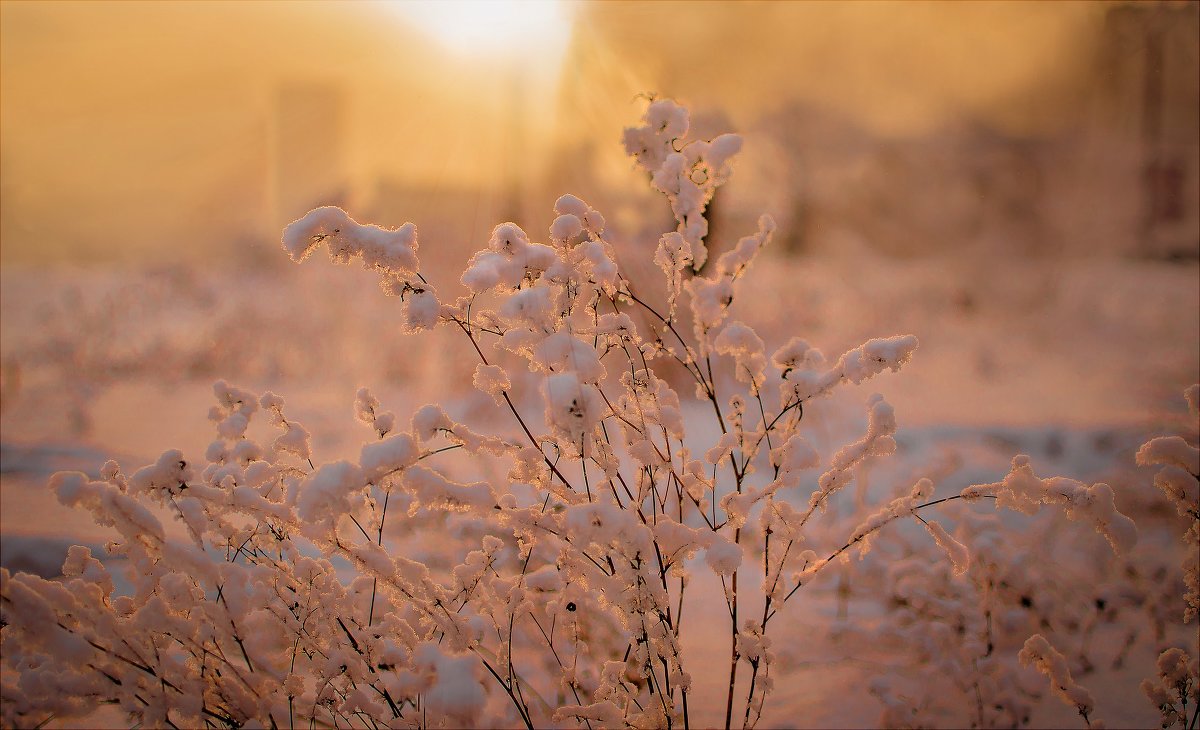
<point x="733" y="653"/>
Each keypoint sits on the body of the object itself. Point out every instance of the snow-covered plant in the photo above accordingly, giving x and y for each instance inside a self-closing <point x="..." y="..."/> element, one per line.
<point x="1179" y="480"/>
<point x="1038" y="652"/>
<point x="1178" y="679"/>
<point x="1170" y="691"/>
<point x="571" y="534"/>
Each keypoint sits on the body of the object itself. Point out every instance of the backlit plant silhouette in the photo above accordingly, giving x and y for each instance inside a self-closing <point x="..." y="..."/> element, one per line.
<point x="282" y="591"/>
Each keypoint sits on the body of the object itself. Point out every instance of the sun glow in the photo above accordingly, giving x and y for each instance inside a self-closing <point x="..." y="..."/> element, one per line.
<point x="507" y="27"/>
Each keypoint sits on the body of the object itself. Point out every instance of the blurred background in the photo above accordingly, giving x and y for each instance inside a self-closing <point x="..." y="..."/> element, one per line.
<point x="1015" y="183"/>
<point x="170" y="131"/>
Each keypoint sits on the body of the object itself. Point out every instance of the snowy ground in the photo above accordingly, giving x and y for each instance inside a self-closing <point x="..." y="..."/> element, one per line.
<point x="1072" y="362"/>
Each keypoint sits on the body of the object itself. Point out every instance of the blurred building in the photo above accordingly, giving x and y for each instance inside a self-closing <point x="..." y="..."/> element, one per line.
<point x="1110" y="168"/>
<point x="914" y="128"/>
<point x="1119" y="175"/>
<point x="1147" y="106"/>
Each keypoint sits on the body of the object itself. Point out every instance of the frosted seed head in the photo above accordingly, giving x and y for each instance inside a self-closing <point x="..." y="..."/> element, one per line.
<point x="565" y="228"/>
<point x="421" y="310"/>
<point x="569" y="204"/>
<point x="492" y="380"/>
<point x="667" y="118"/>
<point x="508" y="239"/>
<point x="594" y="222"/>
<point x="722" y="148"/>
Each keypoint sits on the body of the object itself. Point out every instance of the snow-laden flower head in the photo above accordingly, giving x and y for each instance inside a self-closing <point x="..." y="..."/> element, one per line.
<point x="388" y="250"/>
<point x="664" y="122"/>
<point x="573" y="408"/>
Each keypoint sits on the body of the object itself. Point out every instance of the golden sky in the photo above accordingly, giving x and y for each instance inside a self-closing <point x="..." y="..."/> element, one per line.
<point x="149" y="127"/>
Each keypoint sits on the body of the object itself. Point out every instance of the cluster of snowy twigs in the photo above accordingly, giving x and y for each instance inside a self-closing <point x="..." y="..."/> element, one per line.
<point x="279" y="592"/>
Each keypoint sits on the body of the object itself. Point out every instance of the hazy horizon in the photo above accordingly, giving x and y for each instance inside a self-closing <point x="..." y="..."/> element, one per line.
<point x="133" y="130"/>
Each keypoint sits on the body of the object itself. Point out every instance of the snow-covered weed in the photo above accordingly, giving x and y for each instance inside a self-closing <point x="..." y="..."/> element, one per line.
<point x="284" y="592"/>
